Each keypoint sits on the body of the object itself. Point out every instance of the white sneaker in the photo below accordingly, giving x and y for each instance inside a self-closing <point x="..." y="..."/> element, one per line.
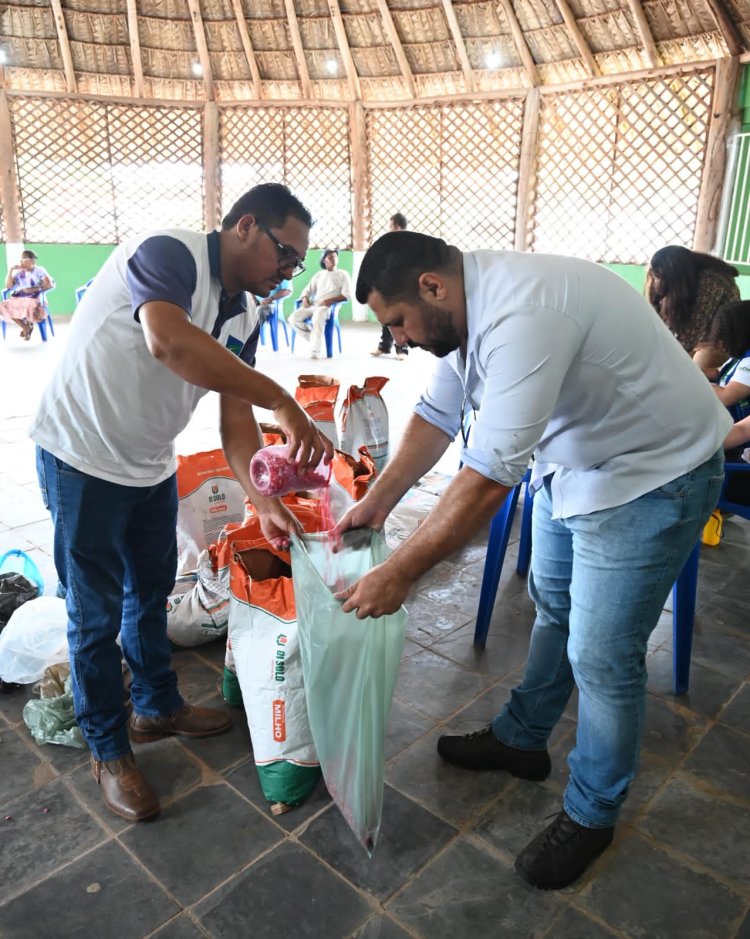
<point x="317" y="355"/>
<point x="378" y="352"/>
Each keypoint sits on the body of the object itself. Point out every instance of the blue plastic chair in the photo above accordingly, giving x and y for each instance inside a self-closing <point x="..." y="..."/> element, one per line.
<point x="275" y="319"/>
<point x="684" y="590"/>
<point x="80" y="291"/>
<point x="47" y="321"/>
<point x="331" y="323"/>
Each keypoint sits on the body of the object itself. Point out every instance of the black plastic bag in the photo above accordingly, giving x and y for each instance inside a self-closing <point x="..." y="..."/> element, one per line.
<point x="15" y="590"/>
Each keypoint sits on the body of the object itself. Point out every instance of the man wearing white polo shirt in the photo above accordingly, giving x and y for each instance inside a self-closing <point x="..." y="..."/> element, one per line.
<point x="164" y="321"/>
<point x="562" y="360"/>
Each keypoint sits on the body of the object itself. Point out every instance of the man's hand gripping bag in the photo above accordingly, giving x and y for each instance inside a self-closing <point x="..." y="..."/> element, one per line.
<point x="350" y="668"/>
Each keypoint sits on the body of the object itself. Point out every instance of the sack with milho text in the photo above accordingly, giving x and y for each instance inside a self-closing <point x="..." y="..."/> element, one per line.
<point x="210" y="497"/>
<point x="364" y="421"/>
<point x="263" y="657"/>
<point x="317" y="395"/>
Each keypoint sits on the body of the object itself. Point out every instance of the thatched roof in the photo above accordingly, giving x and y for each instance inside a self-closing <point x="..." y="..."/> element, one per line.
<point x="342" y="50"/>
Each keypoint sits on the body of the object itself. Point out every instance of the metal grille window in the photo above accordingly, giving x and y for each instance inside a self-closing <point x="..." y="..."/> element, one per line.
<point x="305" y="148"/>
<point x="452" y="170"/>
<point x="619" y="168"/>
<point x="737" y="237"/>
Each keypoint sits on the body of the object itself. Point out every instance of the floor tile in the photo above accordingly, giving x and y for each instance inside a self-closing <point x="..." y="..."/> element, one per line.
<point x="573" y="924"/>
<point x="35" y="842"/>
<point x="453" y="793"/>
<point x="196" y="682"/>
<point x="713" y="831"/>
<point x="737" y="713"/>
<point x="105" y="886"/>
<point x="722" y="759"/>
<point x="436" y="686"/>
<point x="380" y="927"/>
<point x="430" y="620"/>
<point x="519" y="815"/>
<point x="12" y="704"/>
<point x="286" y="893"/>
<point x="182" y="927"/>
<point x="468" y="892"/>
<point x="405" y="725"/>
<point x="409" y="836"/>
<point x="670" y="899"/>
<point x="670" y="729"/>
<point x="708" y="692"/>
<point x="200" y="840"/>
<point x="503" y="653"/>
<point x="19" y="766"/>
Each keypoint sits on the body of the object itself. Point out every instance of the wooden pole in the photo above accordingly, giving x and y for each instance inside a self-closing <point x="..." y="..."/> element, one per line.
<point x="211" y="206"/>
<point x="712" y="181"/>
<point x="62" y="38"/>
<point x="10" y="196"/>
<point x="526" y="168"/>
<point x="358" y="148"/>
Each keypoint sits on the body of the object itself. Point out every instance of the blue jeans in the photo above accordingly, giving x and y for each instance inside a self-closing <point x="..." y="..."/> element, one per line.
<point x="599" y="582"/>
<point x="115" y="552"/>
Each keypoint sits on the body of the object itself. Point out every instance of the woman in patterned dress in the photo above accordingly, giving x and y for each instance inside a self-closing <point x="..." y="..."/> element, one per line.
<point x="26" y="281"/>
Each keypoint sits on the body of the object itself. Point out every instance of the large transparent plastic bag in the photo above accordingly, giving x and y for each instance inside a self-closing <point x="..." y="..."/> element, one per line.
<point x="350" y="668"/>
<point x="36" y="636"/>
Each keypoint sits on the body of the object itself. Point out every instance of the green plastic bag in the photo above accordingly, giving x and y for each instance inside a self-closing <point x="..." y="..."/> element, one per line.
<point x="52" y="720"/>
<point x="350" y="668"/>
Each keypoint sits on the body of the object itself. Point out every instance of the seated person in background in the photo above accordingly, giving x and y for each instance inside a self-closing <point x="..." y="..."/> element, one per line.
<point x="328" y="286"/>
<point x="397" y="222"/>
<point x="686" y="288"/>
<point x="730" y="332"/>
<point x="264" y="303"/>
<point x="26" y="281"/>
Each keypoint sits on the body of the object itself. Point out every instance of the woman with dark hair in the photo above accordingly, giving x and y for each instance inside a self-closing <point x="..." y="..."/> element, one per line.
<point x="686" y="288"/>
<point x="26" y="282"/>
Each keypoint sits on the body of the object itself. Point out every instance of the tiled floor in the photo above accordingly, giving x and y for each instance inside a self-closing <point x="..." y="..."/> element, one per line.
<point x="216" y="863"/>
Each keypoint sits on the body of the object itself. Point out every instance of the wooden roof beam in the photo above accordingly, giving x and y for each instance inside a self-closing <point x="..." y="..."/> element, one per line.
<point x="299" y="52"/>
<point x="653" y="59"/>
<point x="202" y="47"/>
<point x="397" y="45"/>
<point x="346" y="52"/>
<point x="135" y="48"/>
<point x="727" y="27"/>
<point x="570" y="22"/>
<point x="520" y="43"/>
<point x="458" y="39"/>
<point x="62" y="38"/>
<point x="247" y="45"/>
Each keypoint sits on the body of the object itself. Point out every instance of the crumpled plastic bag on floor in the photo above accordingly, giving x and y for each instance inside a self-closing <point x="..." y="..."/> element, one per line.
<point x="52" y="720"/>
<point x="350" y="668"/>
<point x="36" y="636"/>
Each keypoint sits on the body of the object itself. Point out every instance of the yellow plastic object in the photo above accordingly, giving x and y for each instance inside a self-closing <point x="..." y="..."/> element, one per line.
<point x="713" y="530"/>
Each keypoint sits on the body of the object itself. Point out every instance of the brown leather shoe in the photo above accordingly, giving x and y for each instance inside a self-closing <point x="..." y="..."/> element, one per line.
<point x="125" y="789"/>
<point x="187" y="722"/>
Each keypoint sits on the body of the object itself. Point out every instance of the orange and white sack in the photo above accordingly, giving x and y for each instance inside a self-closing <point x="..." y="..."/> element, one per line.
<point x="364" y="421"/>
<point x="209" y="498"/>
<point x="266" y="656"/>
<point x="350" y="480"/>
<point x="317" y="395"/>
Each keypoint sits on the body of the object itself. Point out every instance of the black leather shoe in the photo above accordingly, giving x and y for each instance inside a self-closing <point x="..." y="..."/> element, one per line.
<point x="482" y="750"/>
<point x="561" y="853"/>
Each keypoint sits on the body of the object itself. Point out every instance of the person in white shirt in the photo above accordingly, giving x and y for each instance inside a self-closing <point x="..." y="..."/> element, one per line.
<point x="561" y="360"/>
<point x="327" y="287"/>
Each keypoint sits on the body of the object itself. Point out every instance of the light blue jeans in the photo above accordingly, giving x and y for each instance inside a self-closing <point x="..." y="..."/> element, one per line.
<point x="599" y="582"/>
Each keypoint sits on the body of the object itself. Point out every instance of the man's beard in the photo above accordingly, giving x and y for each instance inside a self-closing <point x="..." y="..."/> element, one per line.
<point x="442" y="337"/>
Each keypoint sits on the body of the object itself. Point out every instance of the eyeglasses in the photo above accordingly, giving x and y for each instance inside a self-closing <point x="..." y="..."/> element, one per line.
<point x="288" y="257"/>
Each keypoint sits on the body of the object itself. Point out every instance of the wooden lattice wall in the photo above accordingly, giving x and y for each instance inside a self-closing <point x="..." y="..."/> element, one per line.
<point x="610" y="171"/>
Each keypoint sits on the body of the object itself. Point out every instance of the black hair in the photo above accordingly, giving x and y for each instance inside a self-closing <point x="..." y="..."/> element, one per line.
<point x="28" y="256"/>
<point x="325" y="254"/>
<point x="678" y="270"/>
<point x="270" y="203"/>
<point x="730" y="328"/>
<point x="394" y="263"/>
<point x="399" y="219"/>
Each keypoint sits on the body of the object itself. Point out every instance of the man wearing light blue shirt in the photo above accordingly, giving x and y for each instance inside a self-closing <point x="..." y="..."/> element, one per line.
<point x="563" y="361"/>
